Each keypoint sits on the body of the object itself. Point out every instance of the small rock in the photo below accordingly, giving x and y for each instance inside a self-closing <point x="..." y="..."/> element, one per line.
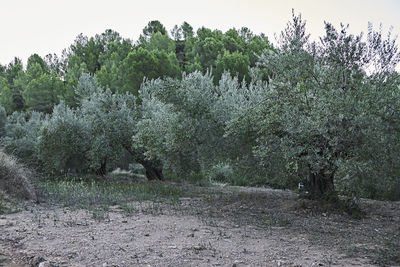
<point x="36" y="261"/>
<point x="45" y="264"/>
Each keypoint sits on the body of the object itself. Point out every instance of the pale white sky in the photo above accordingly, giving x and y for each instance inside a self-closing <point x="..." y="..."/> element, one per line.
<point x="48" y="26"/>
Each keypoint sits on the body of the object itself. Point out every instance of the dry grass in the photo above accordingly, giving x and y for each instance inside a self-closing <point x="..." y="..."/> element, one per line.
<point x="15" y="179"/>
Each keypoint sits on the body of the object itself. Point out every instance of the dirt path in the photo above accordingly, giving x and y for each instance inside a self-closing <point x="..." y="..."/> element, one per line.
<point x="232" y="228"/>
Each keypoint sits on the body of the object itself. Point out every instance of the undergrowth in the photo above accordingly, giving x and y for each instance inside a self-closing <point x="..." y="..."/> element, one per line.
<point x="2" y="207"/>
<point x="91" y="193"/>
<point x="333" y="203"/>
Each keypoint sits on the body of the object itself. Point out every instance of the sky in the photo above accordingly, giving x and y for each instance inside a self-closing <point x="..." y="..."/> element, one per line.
<point x="49" y="26"/>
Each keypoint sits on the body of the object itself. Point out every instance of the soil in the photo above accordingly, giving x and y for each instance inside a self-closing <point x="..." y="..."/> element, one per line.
<point x="223" y="226"/>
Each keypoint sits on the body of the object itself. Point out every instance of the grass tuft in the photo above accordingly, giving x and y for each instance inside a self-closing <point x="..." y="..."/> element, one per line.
<point x="91" y="193"/>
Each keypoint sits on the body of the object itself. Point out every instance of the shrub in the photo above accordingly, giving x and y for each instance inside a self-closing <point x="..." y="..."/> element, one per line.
<point x="15" y="179"/>
<point x="222" y="172"/>
<point x="22" y="135"/>
<point x="3" y="120"/>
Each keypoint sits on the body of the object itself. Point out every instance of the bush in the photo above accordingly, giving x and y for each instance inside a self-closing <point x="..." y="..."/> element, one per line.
<point x="136" y="168"/>
<point x="15" y="179"/>
<point x="222" y="172"/>
<point x="3" y="120"/>
<point x="22" y="135"/>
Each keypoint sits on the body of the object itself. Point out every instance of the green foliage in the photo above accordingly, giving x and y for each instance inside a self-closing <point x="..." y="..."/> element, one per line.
<point x="161" y="42"/>
<point x="142" y="63"/>
<point x="6" y="96"/>
<point x="221" y="172"/>
<point x="88" y="50"/>
<point x="319" y="111"/>
<point x="235" y="63"/>
<point x="3" y="208"/>
<point x="92" y="136"/>
<point x="41" y="89"/>
<point x="22" y="136"/>
<point x="152" y="28"/>
<point x="92" y="194"/>
<point x="110" y="120"/>
<point x="205" y="48"/>
<point x="3" y="121"/>
<point x="90" y="55"/>
<point x="75" y="70"/>
<point x="177" y="124"/>
<point x="324" y="114"/>
<point x="64" y="140"/>
<point x="36" y="59"/>
<point x="11" y="97"/>
<point x="13" y="70"/>
<point x="235" y="51"/>
<point x="110" y="74"/>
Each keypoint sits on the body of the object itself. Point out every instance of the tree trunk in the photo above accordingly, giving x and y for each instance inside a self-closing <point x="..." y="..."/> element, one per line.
<point x="103" y="168"/>
<point x="320" y="184"/>
<point x="152" y="172"/>
<point x="153" y="168"/>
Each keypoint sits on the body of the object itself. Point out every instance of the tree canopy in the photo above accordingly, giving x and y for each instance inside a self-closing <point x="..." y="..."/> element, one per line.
<point x="207" y="105"/>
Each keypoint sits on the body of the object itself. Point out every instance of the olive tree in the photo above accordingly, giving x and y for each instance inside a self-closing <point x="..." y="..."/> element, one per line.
<point x="21" y="136"/>
<point x="319" y="108"/>
<point x="111" y="121"/>
<point x="64" y="141"/>
<point x="178" y="124"/>
<point x="185" y="123"/>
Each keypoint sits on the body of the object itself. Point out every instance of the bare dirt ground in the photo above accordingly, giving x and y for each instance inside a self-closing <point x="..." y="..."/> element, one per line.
<point x="228" y="226"/>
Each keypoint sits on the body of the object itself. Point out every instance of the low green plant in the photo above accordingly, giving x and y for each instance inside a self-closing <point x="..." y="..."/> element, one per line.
<point x="100" y="213"/>
<point x="2" y="207"/>
<point x="390" y="254"/>
<point x="129" y="209"/>
<point x="221" y="172"/>
<point x="335" y="204"/>
<point x="240" y="181"/>
<point x="89" y="193"/>
<point x="277" y="221"/>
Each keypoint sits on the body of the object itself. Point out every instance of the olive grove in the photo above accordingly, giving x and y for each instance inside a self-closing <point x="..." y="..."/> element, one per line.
<point x="214" y="106"/>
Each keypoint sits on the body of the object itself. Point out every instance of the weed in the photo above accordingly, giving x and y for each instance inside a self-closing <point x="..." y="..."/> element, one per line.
<point x="240" y="181"/>
<point x="95" y="196"/>
<point x="277" y="221"/>
<point x="8" y="205"/>
<point x="2" y="207"/>
<point x="335" y="204"/>
<point x="151" y="208"/>
<point x="390" y="253"/>
<point x="100" y="214"/>
<point x="129" y="209"/>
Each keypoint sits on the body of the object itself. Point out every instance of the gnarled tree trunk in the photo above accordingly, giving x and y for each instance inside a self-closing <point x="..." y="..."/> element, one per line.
<point x="153" y="167"/>
<point x="103" y="168"/>
<point x="153" y="172"/>
<point x="320" y="184"/>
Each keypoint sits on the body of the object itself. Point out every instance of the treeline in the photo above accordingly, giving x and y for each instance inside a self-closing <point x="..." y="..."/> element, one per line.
<point x="226" y="107"/>
<point x="121" y="64"/>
